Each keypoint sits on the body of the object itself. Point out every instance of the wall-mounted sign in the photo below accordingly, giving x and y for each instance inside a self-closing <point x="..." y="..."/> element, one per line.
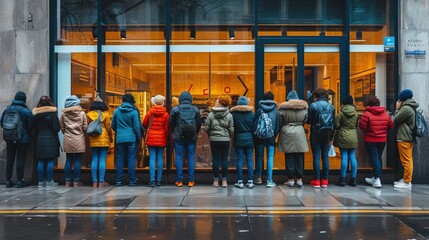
<point x="389" y="44"/>
<point x="415" y="54"/>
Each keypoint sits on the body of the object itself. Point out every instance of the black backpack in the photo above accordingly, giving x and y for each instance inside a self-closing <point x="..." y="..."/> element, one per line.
<point x="13" y="127"/>
<point x="420" y="128"/>
<point x="186" y="122"/>
<point x="325" y="122"/>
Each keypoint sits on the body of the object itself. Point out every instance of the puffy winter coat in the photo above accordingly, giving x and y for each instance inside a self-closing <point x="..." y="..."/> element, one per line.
<point x="46" y="128"/>
<point x="106" y="137"/>
<point x="26" y="118"/>
<point x="243" y="124"/>
<point x="158" y="131"/>
<point x="73" y="125"/>
<point x="220" y="124"/>
<point x="185" y="100"/>
<point x="269" y="107"/>
<point x="126" y="124"/>
<point x="293" y="116"/>
<point x="405" y="120"/>
<point x="346" y="123"/>
<point x="375" y="122"/>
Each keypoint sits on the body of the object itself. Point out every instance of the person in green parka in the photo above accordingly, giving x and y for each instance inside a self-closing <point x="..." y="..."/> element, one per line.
<point x="346" y="139"/>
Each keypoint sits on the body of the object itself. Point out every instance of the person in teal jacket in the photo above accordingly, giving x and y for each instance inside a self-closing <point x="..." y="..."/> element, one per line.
<point x="127" y="126"/>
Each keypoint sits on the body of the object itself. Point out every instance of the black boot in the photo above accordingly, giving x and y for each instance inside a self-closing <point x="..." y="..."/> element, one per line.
<point x="341" y="182"/>
<point x="352" y="182"/>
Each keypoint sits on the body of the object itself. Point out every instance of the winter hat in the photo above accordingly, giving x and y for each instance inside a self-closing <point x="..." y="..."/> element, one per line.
<point x="405" y="94"/>
<point x="243" y="101"/>
<point x="292" y="95"/>
<point x="158" y="100"/>
<point x="128" y="98"/>
<point x="347" y="100"/>
<point x="71" y="101"/>
<point x="20" y="95"/>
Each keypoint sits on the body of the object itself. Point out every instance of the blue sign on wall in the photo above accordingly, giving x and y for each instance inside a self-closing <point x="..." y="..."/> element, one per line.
<point x="389" y="44"/>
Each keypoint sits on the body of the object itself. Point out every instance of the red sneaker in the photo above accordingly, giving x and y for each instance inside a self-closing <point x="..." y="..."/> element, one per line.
<point x="324" y="183"/>
<point x="315" y="183"/>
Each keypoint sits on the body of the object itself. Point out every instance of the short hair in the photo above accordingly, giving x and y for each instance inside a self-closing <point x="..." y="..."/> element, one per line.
<point x="268" y="96"/>
<point x="373" y="101"/>
<point x="45" y="101"/>
<point x="96" y="105"/>
<point x="128" y="98"/>
<point x="224" y="101"/>
<point x="320" y="93"/>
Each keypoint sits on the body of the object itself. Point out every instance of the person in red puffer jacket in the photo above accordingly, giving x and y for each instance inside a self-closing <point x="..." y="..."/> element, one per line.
<point x="156" y="124"/>
<point x="375" y="123"/>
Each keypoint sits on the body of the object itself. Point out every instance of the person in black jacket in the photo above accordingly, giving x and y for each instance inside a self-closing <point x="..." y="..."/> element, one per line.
<point x="18" y="149"/>
<point x="46" y="127"/>
<point x="243" y="139"/>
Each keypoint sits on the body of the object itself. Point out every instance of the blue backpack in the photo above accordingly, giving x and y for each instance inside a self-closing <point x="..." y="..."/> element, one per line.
<point x="325" y="122"/>
<point x="264" y="127"/>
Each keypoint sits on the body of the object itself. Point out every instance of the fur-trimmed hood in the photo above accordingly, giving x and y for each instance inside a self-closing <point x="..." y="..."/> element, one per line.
<point x="242" y="108"/>
<point x="294" y="104"/>
<point x="44" y="109"/>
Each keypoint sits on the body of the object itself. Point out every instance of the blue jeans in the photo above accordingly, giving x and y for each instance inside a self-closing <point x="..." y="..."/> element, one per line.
<point x="243" y="152"/>
<point x="375" y="151"/>
<point x="98" y="164"/>
<point x="49" y="169"/>
<point x="348" y="154"/>
<point x="156" y="154"/>
<point x="77" y="158"/>
<point x="180" y="147"/>
<point x="126" y="150"/>
<point x="259" y="153"/>
<point x="320" y="146"/>
<point x="220" y="152"/>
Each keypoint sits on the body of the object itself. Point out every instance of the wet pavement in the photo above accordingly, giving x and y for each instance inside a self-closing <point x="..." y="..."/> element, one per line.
<point x="204" y="212"/>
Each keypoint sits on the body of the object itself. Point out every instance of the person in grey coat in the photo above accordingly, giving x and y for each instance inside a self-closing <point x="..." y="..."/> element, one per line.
<point x="243" y="139"/>
<point x="220" y="128"/>
<point x="292" y="138"/>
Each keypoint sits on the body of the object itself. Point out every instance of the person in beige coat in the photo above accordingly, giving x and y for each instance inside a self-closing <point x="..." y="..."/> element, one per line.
<point x="73" y="125"/>
<point x="292" y="138"/>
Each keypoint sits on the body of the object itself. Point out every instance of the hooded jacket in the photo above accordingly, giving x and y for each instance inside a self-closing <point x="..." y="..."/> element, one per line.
<point x="220" y="124"/>
<point x="185" y="100"/>
<point x="243" y="125"/>
<point x="313" y="115"/>
<point x="126" y="124"/>
<point x="405" y="120"/>
<point x="346" y="123"/>
<point x="46" y="128"/>
<point x="269" y="107"/>
<point x="26" y="118"/>
<point x="375" y="122"/>
<point x="106" y="137"/>
<point x="73" y="125"/>
<point x="293" y="116"/>
<point x="158" y="131"/>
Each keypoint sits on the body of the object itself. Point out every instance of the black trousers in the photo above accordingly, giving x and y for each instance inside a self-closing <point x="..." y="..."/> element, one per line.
<point x="294" y="165"/>
<point x="16" y="151"/>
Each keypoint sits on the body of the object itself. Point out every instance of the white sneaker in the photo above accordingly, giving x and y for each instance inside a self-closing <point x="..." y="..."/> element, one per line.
<point x="51" y="184"/>
<point x="239" y="185"/>
<point x="299" y="183"/>
<point x="376" y="183"/>
<point x="398" y="182"/>
<point x="290" y="183"/>
<point x="250" y="185"/>
<point x="370" y="181"/>
<point x="41" y="184"/>
<point x="403" y="185"/>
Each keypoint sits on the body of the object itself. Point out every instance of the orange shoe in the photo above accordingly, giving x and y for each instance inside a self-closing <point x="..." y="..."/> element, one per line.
<point x="191" y="184"/>
<point x="179" y="184"/>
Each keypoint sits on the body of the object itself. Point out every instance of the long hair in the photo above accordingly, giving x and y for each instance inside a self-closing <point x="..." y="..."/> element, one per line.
<point x="45" y="101"/>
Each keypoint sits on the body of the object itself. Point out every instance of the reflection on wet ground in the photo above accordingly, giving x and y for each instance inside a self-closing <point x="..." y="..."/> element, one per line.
<point x="204" y="212"/>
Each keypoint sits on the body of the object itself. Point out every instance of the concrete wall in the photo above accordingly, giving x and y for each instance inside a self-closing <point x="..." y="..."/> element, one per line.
<point x="414" y="73"/>
<point x="23" y="60"/>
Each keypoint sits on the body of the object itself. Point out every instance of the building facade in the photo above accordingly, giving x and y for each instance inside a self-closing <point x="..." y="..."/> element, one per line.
<point x="214" y="48"/>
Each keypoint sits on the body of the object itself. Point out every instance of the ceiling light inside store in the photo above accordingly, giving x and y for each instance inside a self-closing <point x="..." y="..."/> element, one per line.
<point x="193" y="33"/>
<point x="231" y="33"/>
